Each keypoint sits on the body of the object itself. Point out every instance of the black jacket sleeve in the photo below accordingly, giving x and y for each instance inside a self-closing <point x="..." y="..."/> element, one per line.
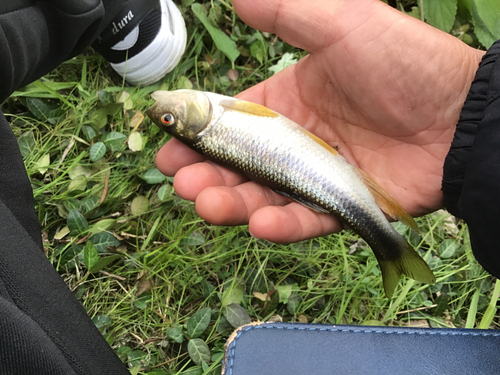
<point x="471" y="179"/>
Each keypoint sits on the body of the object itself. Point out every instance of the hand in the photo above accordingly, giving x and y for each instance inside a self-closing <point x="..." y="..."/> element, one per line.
<point x="384" y="88"/>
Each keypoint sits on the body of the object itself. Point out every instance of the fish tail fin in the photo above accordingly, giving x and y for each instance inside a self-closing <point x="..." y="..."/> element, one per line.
<point x="408" y="263"/>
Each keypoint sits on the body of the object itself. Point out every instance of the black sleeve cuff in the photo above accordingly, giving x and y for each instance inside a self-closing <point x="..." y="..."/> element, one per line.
<point x="471" y="176"/>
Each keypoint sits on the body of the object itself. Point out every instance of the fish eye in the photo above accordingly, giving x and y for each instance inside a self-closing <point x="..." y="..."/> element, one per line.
<point x="167" y="119"/>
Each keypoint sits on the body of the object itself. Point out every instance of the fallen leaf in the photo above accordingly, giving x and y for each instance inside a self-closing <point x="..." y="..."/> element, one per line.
<point x="136" y="121"/>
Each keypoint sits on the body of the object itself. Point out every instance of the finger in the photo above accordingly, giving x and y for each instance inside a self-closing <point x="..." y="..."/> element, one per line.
<point x="174" y="155"/>
<point x="190" y="181"/>
<point x="310" y="25"/>
<point x="291" y="223"/>
<point x="235" y="206"/>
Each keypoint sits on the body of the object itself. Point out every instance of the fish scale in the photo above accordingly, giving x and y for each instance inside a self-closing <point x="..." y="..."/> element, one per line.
<point x="314" y="176"/>
<point x="273" y="150"/>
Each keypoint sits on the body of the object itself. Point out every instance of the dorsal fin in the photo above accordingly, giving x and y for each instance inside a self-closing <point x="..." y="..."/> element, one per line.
<point x="387" y="203"/>
<point x="319" y="141"/>
<point x="248" y="107"/>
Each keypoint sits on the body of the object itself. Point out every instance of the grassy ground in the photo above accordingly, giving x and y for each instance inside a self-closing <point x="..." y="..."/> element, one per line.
<point x="164" y="287"/>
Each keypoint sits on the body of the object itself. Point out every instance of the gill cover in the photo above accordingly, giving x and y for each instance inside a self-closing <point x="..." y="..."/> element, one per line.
<point x="188" y="113"/>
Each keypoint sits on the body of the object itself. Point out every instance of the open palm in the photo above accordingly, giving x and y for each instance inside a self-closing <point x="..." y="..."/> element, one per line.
<point x="384" y="88"/>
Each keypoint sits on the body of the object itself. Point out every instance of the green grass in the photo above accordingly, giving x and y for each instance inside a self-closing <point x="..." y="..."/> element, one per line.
<point x="155" y="263"/>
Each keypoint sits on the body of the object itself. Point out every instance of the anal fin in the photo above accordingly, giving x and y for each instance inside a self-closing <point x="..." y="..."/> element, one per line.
<point x="297" y="198"/>
<point x="387" y="203"/>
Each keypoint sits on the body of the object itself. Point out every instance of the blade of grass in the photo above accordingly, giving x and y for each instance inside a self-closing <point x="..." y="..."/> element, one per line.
<point x="471" y="315"/>
<point x="492" y="308"/>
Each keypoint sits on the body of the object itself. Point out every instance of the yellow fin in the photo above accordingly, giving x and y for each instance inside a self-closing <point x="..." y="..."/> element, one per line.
<point x="248" y="107"/>
<point x="319" y="141"/>
<point x="387" y="203"/>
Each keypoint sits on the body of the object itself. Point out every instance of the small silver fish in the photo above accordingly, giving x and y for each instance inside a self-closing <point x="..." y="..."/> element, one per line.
<point x="276" y="152"/>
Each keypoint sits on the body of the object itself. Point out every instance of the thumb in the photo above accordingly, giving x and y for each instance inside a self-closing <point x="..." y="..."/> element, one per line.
<point x="310" y="25"/>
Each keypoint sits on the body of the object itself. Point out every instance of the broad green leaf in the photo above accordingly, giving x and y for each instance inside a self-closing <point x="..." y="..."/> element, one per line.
<point x="77" y="224"/>
<point x="489" y="12"/>
<point x="55" y="115"/>
<point x="72" y="204"/>
<point x="67" y="254"/>
<point x="102" y="240"/>
<point x="43" y="163"/>
<point x="39" y="108"/>
<point x="271" y="305"/>
<point x="78" y="183"/>
<point x="440" y="14"/>
<point x="142" y="301"/>
<point x="447" y="248"/>
<point x="135" y="141"/>
<point x="97" y="151"/>
<point x="124" y="97"/>
<point x="258" y="50"/>
<point x="114" y="140"/>
<point x="193" y="239"/>
<point x="284" y="292"/>
<point x="138" y="359"/>
<point x="139" y="205"/>
<point x="183" y="82"/>
<point x="175" y="334"/>
<point x="99" y="119"/>
<point x="89" y="132"/>
<point x="208" y="288"/>
<point x="197" y="324"/>
<point x="224" y="325"/>
<point x="236" y="315"/>
<point x="234" y="290"/>
<point x="415" y="12"/>
<point x="79" y="170"/>
<point x="26" y="143"/>
<point x="165" y="193"/>
<point x="153" y="176"/>
<point x="89" y="203"/>
<point x="286" y="60"/>
<point x="198" y="351"/>
<point x="102" y="226"/>
<point x="123" y="352"/>
<point x="102" y="322"/>
<point x="293" y="303"/>
<point x="103" y="262"/>
<point x="90" y="255"/>
<point x="223" y="42"/>
<point x="105" y="97"/>
<point x="484" y="34"/>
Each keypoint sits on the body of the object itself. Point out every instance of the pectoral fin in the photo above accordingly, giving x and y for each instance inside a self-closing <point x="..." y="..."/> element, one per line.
<point x="387" y="203"/>
<point x="248" y="108"/>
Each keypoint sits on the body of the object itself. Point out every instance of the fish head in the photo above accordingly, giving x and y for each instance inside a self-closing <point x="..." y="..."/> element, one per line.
<point x="181" y="113"/>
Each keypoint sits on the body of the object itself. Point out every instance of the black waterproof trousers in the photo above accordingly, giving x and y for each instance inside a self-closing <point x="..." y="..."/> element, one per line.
<point x="43" y="328"/>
